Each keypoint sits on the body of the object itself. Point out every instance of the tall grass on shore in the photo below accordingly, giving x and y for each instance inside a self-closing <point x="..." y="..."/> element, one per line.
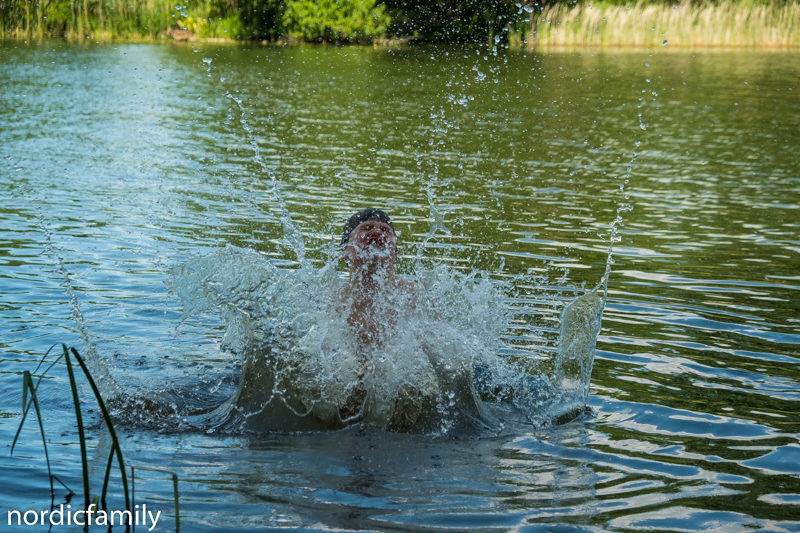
<point x="728" y="23"/>
<point x="82" y="19"/>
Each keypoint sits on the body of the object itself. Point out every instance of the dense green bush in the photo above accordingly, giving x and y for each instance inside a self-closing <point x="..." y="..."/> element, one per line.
<point x="334" y="20"/>
<point x="234" y="19"/>
<point x="205" y="25"/>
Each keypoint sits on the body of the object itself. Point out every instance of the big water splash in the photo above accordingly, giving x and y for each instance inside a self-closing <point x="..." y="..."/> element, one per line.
<point x="451" y="357"/>
<point x="436" y="371"/>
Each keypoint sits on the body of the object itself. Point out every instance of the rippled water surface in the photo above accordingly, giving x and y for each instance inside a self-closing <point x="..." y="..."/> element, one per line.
<point x="122" y="161"/>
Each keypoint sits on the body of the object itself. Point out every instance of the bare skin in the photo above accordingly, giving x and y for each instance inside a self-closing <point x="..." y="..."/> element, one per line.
<point x="374" y="295"/>
<point x="373" y="298"/>
<point x="374" y="301"/>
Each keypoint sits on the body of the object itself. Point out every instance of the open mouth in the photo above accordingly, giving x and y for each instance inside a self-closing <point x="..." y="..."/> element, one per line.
<point x="378" y="240"/>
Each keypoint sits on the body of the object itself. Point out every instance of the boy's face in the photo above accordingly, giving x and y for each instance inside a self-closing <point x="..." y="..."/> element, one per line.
<point x="372" y="240"/>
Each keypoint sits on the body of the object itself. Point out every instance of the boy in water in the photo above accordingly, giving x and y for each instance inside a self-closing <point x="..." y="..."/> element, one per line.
<point x="377" y="303"/>
<point x="374" y="295"/>
<point x="374" y="301"/>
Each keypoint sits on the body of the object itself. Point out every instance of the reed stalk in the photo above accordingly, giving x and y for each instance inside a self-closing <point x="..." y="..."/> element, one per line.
<point x="728" y="23"/>
<point x="28" y="388"/>
<point x="81" y="436"/>
<point x="174" y="478"/>
<point x="116" y="450"/>
<point x="115" y="447"/>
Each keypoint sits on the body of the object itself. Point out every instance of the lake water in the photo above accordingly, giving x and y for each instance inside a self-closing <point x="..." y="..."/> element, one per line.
<point x="122" y="161"/>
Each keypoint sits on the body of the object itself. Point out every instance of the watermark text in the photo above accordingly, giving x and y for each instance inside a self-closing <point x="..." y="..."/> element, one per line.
<point x="90" y="516"/>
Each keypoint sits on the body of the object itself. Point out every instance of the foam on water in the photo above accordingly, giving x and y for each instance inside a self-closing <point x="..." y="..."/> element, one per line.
<point x="436" y="369"/>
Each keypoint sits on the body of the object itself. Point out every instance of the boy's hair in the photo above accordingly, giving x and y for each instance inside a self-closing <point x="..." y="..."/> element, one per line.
<point x="362" y="216"/>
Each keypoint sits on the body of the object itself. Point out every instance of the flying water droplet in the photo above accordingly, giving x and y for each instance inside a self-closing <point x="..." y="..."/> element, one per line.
<point x="664" y="43"/>
<point x="642" y="125"/>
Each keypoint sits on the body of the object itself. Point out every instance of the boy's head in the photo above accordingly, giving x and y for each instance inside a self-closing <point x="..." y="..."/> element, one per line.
<point x="368" y="238"/>
<point x="360" y="217"/>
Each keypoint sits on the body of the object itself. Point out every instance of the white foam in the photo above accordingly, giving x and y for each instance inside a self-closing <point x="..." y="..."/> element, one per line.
<point x="304" y="368"/>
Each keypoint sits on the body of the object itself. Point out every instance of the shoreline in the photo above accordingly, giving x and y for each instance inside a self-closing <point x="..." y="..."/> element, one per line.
<point x="400" y="43"/>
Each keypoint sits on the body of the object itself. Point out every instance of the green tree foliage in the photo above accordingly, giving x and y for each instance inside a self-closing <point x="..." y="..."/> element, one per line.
<point x="453" y="21"/>
<point x="234" y="19"/>
<point x="334" y="20"/>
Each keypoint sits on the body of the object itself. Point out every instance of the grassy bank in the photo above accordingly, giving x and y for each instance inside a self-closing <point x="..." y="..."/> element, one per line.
<point x="724" y="24"/>
<point x="103" y="20"/>
<point x="37" y="19"/>
<point x="81" y="19"/>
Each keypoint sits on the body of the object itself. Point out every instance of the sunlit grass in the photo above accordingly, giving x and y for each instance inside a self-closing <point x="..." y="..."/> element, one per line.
<point x="685" y="25"/>
<point x="88" y="19"/>
<point x="108" y="20"/>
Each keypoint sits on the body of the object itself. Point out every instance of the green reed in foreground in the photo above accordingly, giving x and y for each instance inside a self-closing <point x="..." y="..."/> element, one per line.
<point x="727" y="23"/>
<point x="28" y="387"/>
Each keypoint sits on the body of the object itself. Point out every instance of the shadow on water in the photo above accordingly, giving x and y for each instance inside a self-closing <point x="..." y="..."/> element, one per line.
<point x="361" y="477"/>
